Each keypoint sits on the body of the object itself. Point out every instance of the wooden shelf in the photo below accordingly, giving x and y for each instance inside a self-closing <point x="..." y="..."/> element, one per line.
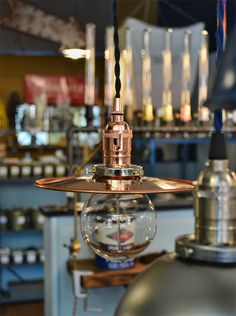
<point x="101" y="277"/>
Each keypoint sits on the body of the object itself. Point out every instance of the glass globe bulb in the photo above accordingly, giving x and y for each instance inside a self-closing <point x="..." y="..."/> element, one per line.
<point x="118" y="227"/>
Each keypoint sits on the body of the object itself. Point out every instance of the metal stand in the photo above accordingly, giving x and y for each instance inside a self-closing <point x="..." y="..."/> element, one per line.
<point x="80" y="292"/>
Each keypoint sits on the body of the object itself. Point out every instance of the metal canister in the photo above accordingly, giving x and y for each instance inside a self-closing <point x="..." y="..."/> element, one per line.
<point x="5" y="254"/>
<point x="60" y="170"/>
<point x="3" y="220"/>
<point x="41" y="255"/>
<point x="49" y="170"/>
<point x="17" y="256"/>
<point x="36" y="218"/>
<point x="26" y="170"/>
<point x="3" y="171"/>
<point x="17" y="219"/>
<point x="215" y="200"/>
<point x="14" y="171"/>
<point x="37" y="170"/>
<point x="31" y="255"/>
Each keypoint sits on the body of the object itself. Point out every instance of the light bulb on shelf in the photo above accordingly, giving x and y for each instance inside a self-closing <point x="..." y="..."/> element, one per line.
<point x="147" y="77"/>
<point x="185" y="106"/>
<point x="89" y="89"/>
<point x="128" y="76"/>
<point x="109" y="77"/>
<point x="116" y="226"/>
<point x="167" y="109"/>
<point x="203" y="77"/>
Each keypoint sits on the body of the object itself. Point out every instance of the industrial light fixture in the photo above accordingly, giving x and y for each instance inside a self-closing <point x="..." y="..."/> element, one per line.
<point x="203" y="73"/>
<point x="147" y="78"/>
<point x="88" y="53"/>
<point x="167" y="108"/>
<point x="118" y="206"/>
<point x="74" y="53"/>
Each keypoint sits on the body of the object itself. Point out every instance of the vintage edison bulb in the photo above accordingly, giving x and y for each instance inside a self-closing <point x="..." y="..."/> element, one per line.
<point x="118" y="227"/>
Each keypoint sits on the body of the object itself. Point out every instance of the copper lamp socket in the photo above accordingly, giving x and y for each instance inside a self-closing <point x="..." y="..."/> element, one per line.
<point x="117" y="139"/>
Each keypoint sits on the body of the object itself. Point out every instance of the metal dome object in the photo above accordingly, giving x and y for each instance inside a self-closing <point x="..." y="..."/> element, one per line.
<point x="174" y="287"/>
<point x="223" y="95"/>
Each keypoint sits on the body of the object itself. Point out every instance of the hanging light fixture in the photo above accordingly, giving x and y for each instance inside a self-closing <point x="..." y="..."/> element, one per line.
<point x="109" y="73"/>
<point x="167" y="108"/>
<point x="185" y="107"/>
<point x="74" y="53"/>
<point x="128" y="77"/>
<point x="147" y="78"/>
<point x="203" y="111"/>
<point x="118" y="205"/>
<point x="89" y="89"/>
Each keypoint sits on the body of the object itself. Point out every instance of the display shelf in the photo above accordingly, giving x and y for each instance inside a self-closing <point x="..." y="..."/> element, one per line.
<point x="17" y="181"/>
<point x="24" y="264"/>
<point x="18" y="289"/>
<point x="23" y="231"/>
<point x="44" y="148"/>
<point x="178" y="140"/>
<point x="20" y="180"/>
<point x="21" y="300"/>
<point x="21" y="193"/>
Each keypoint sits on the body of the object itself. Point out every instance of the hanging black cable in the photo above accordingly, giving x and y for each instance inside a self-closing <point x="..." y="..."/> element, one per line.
<point x="117" y="50"/>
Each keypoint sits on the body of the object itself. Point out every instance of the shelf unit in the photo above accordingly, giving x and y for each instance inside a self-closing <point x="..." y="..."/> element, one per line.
<point x="153" y="143"/>
<point x="22" y="193"/>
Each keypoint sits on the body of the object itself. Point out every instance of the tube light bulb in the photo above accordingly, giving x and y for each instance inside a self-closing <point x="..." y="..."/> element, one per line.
<point x="203" y="111"/>
<point x="89" y="92"/>
<point x="185" y="107"/>
<point x="118" y="227"/>
<point x="147" y="77"/>
<point x="128" y="91"/>
<point x="167" y="109"/>
<point x="109" y="71"/>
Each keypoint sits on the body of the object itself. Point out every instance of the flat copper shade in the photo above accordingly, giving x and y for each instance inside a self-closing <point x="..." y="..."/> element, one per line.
<point x="89" y="184"/>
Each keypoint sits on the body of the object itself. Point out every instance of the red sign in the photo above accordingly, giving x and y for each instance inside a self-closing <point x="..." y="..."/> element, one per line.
<point x="58" y="89"/>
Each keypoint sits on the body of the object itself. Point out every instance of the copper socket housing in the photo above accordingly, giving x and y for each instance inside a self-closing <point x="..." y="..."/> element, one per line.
<point x="117" y="139"/>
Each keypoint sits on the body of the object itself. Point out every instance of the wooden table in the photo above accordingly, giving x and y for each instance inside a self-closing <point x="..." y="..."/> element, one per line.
<point x="101" y="277"/>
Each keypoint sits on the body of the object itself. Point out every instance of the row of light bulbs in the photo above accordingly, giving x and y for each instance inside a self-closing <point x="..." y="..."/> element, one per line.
<point x="128" y="75"/>
<point x="165" y="113"/>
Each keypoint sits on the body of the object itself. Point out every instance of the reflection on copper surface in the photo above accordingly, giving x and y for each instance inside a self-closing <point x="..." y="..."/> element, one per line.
<point x="169" y="184"/>
<point x="118" y="185"/>
<point x="88" y="184"/>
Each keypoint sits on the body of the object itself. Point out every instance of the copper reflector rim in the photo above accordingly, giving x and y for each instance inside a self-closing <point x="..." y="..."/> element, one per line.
<point x="88" y="184"/>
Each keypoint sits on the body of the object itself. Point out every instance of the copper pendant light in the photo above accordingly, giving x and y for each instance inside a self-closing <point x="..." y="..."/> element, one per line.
<point x="116" y="175"/>
<point x="118" y="220"/>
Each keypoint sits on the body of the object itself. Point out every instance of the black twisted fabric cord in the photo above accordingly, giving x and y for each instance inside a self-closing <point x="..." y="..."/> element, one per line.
<point x="117" y="50"/>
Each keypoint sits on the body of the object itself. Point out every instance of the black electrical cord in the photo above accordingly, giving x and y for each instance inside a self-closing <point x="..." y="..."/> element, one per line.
<point x="117" y="50"/>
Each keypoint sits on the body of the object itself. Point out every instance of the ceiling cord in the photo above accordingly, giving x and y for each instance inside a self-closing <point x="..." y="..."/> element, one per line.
<point x="221" y="39"/>
<point x="116" y="50"/>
